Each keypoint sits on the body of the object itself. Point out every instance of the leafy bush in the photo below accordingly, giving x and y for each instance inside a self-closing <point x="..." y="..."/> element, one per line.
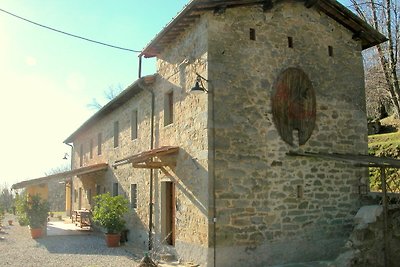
<point x="109" y="212"/>
<point x="385" y="145"/>
<point x="19" y="208"/>
<point x="32" y="210"/>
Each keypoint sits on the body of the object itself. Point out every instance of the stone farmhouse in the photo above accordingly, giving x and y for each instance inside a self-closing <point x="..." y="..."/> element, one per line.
<point x="218" y="177"/>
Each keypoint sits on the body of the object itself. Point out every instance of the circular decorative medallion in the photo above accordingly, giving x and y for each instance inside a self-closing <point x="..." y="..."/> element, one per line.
<point x="294" y="105"/>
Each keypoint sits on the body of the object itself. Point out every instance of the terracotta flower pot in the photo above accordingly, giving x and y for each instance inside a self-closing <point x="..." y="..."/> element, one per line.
<point x="10" y="222"/>
<point x="112" y="240"/>
<point x="36" y="232"/>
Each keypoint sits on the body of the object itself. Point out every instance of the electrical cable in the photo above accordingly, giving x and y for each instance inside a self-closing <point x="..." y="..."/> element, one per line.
<point x="69" y="34"/>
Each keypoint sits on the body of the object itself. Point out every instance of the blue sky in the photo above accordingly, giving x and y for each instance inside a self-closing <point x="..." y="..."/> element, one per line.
<point x="47" y="79"/>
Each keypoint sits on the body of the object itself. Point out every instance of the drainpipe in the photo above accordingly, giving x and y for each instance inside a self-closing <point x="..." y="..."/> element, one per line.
<point x="140" y="66"/>
<point x="151" y="170"/>
<point x="71" y="185"/>
<point x="213" y="174"/>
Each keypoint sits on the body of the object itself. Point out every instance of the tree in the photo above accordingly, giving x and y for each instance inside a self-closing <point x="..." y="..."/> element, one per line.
<point x="384" y="16"/>
<point x="109" y="95"/>
<point x="377" y="96"/>
<point x="6" y="198"/>
<point x="59" y="169"/>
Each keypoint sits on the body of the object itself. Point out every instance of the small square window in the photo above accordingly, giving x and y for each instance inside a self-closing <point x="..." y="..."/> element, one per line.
<point x="98" y="189"/>
<point x="252" y="34"/>
<point x="115" y="189"/>
<point x="330" y="51"/>
<point x="89" y="195"/>
<point x="134" y="196"/>
<point x="134" y="125"/>
<point x="116" y="134"/>
<point x="99" y="143"/>
<point x="91" y="149"/>
<point x="168" y="108"/>
<point x="81" y="155"/>
<point x="290" y="42"/>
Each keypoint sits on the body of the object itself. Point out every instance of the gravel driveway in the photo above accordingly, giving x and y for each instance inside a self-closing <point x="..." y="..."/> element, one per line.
<point x="17" y="248"/>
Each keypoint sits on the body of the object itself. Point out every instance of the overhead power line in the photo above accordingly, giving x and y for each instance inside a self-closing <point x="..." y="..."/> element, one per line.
<point x="69" y="34"/>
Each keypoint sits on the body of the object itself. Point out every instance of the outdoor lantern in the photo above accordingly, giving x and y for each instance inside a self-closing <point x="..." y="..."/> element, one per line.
<point x="197" y="87"/>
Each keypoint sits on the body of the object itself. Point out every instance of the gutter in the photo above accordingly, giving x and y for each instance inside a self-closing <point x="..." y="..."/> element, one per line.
<point x="151" y="170"/>
<point x="214" y="180"/>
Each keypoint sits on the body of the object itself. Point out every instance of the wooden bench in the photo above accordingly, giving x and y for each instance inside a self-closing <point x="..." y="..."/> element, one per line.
<point x="82" y="218"/>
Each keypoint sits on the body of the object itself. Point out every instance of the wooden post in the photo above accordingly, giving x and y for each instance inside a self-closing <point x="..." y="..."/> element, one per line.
<point x="385" y="217"/>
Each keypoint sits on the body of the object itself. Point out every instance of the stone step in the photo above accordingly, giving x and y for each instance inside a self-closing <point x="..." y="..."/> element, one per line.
<point x="167" y="257"/>
<point x="306" y="264"/>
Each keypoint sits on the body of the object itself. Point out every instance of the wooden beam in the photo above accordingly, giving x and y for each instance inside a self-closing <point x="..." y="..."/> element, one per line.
<point x="310" y="3"/>
<point x="220" y="10"/>
<point x="358" y="35"/>
<point x="268" y="5"/>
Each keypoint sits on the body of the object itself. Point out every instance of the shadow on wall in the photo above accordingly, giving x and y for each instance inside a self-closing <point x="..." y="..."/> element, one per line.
<point x="191" y="179"/>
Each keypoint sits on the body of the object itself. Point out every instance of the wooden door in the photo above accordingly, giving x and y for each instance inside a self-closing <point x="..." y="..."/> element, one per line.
<point x="169" y="213"/>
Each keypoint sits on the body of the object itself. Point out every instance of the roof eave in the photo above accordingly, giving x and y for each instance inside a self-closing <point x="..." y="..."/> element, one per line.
<point x="120" y="99"/>
<point x="149" y="51"/>
<point x="368" y="35"/>
<point x="361" y="29"/>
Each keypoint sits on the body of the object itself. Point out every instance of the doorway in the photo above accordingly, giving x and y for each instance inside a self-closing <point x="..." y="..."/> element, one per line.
<point x="80" y="198"/>
<point x="168" y="212"/>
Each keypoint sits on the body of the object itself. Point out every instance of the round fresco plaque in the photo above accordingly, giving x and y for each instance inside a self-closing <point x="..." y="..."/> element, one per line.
<point x="294" y="105"/>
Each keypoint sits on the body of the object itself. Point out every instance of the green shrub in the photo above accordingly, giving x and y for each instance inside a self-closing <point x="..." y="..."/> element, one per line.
<point x="32" y="210"/>
<point x="388" y="146"/>
<point x="109" y="212"/>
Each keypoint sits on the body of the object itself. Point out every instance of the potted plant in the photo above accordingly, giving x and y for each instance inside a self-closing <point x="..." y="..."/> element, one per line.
<point x="36" y="210"/>
<point x="109" y="213"/>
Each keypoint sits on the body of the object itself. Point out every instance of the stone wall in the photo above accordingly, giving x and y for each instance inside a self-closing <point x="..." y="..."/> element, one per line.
<point x="271" y="208"/>
<point x="177" y="68"/>
<point x="137" y="219"/>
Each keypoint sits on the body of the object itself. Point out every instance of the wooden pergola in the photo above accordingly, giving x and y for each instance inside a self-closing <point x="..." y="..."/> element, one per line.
<point x="156" y="158"/>
<point x="76" y="172"/>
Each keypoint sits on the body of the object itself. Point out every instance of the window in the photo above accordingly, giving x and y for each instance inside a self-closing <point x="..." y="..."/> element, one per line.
<point x="134" y="196"/>
<point x="98" y="189"/>
<point x="81" y="155"/>
<point x="134" y="125"/>
<point x="99" y="143"/>
<point x="290" y="42"/>
<point x="91" y="148"/>
<point x="330" y="51"/>
<point x="116" y="134"/>
<point x="168" y="108"/>
<point x="252" y="34"/>
<point x="89" y="195"/>
<point x="115" y="189"/>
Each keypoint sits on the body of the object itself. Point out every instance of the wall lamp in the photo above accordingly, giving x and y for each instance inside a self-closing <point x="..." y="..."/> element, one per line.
<point x="66" y="155"/>
<point x="199" y="86"/>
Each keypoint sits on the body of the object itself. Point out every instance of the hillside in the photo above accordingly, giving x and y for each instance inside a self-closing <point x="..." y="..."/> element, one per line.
<point x="386" y="144"/>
